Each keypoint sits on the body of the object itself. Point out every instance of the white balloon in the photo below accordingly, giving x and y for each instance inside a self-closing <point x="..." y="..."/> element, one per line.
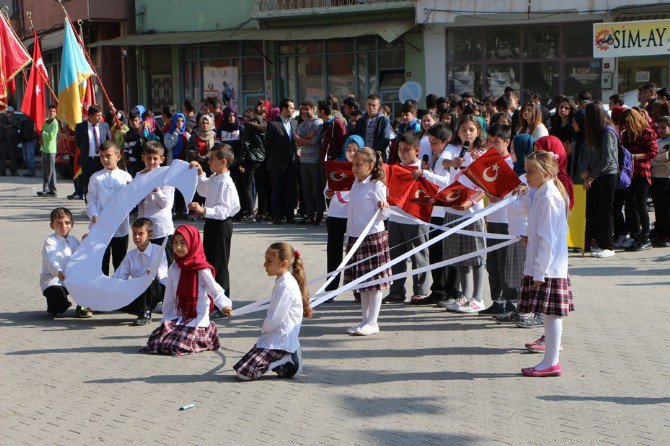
<point x="83" y="275"/>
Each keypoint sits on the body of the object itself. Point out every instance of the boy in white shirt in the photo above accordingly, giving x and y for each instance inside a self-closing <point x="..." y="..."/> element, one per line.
<point x="102" y="188"/>
<point x="221" y="203"/>
<point x="137" y="264"/>
<point x="57" y="250"/>
<point x="405" y="234"/>
<point x="157" y="206"/>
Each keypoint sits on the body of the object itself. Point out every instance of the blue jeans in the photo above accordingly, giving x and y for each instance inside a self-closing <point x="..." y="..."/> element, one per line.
<point x="29" y="155"/>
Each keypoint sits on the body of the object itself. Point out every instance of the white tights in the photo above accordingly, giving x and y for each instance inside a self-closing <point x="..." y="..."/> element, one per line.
<point x="553" y="330"/>
<point x="371" y="303"/>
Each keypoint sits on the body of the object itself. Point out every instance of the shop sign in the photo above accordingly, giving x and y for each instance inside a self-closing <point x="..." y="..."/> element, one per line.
<point x="642" y="76"/>
<point x="640" y="38"/>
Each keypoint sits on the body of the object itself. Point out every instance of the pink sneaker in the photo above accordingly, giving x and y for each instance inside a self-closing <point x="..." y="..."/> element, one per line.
<point x="554" y="370"/>
<point x="538" y="345"/>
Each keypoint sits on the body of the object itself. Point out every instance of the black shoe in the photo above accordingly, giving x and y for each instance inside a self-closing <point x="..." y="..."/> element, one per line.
<point x="28" y="174"/>
<point x="393" y="299"/>
<point x="41" y="193"/>
<point x="511" y="305"/>
<point x="75" y="197"/>
<point x="291" y="221"/>
<point x="509" y="317"/>
<point x="640" y="246"/>
<point x="216" y="314"/>
<point x="306" y="221"/>
<point x="52" y="194"/>
<point x="277" y="221"/>
<point x="144" y="319"/>
<point x="357" y="296"/>
<point x="433" y="298"/>
<point x="496" y="308"/>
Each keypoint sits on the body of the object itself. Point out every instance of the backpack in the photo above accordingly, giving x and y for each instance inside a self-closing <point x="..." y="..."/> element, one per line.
<point x="625" y="164"/>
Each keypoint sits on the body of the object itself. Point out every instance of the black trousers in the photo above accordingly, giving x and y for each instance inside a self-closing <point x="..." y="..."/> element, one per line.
<point x="284" y="192"/>
<point x="496" y="262"/>
<point x="92" y="165"/>
<point x="118" y="248"/>
<point x="263" y="185"/>
<point x="217" y="236"/>
<point x="636" y="199"/>
<point x="169" y="252"/>
<point x="600" y="210"/>
<point x="146" y="301"/>
<point x="247" y="191"/>
<point x="57" y="301"/>
<point x="660" y="193"/>
<point x="8" y="149"/>
<point x="336" y="228"/>
<point x="621" y="223"/>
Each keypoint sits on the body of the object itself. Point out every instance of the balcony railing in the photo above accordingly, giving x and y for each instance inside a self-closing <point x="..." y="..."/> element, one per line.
<point x="287" y="5"/>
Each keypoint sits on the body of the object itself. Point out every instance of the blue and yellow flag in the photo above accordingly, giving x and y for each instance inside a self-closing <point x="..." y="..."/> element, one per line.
<point x="74" y="71"/>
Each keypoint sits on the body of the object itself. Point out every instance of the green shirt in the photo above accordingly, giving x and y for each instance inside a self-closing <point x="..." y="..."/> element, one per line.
<point x="50" y="136"/>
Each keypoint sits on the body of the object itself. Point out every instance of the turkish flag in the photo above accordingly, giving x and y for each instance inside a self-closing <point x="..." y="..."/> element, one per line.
<point x="454" y="195"/>
<point x="339" y="175"/>
<point x="399" y="182"/>
<point x="412" y="196"/>
<point x="13" y="59"/>
<point x="492" y="174"/>
<point x="34" y="100"/>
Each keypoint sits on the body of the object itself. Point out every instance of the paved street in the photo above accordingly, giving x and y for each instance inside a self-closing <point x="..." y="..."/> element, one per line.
<point x="428" y="378"/>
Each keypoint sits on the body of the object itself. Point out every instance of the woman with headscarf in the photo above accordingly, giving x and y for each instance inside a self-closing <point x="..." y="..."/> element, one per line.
<point x="230" y="131"/>
<point x="252" y="155"/>
<point x="190" y="294"/>
<point x="201" y="141"/>
<point x="522" y="145"/>
<point x="554" y="145"/>
<point x="176" y="138"/>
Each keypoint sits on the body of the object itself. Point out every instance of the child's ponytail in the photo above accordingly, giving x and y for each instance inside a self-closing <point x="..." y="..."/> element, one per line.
<point x="292" y="256"/>
<point x="564" y="194"/>
<point x="375" y="158"/>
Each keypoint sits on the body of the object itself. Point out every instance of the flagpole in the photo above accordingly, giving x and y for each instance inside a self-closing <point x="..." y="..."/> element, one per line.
<point x="46" y="81"/>
<point x="90" y="62"/>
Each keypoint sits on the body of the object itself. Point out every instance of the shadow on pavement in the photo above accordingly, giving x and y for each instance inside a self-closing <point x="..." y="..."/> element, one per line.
<point x="625" y="400"/>
<point x="388" y="436"/>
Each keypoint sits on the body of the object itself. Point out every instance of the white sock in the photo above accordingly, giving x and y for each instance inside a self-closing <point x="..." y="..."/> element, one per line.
<point x="374" y="299"/>
<point x="553" y="331"/>
<point x="281" y="361"/>
<point x="365" y="304"/>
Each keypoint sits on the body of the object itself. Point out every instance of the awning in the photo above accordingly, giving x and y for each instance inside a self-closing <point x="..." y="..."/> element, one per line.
<point x="48" y="41"/>
<point x="389" y="31"/>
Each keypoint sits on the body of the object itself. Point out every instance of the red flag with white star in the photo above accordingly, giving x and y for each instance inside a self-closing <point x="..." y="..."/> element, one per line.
<point x="492" y="174"/>
<point x="34" y="100"/>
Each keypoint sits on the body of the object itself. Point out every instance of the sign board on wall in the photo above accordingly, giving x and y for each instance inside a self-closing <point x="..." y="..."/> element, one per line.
<point x="222" y="83"/>
<point x="639" y="38"/>
<point x="642" y="76"/>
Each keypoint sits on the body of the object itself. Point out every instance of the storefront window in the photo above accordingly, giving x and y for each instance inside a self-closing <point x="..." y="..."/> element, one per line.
<point x="310" y="71"/>
<point x="577" y="39"/>
<point x="465" y="45"/>
<point x="499" y="76"/>
<point x="502" y="43"/>
<point x="541" y="42"/>
<point x="582" y="76"/>
<point x="340" y="75"/>
<point x="466" y="78"/>
<point x="541" y="78"/>
<point x="392" y="59"/>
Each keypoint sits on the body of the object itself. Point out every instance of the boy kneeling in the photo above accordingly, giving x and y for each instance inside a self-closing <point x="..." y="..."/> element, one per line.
<point x="136" y="264"/>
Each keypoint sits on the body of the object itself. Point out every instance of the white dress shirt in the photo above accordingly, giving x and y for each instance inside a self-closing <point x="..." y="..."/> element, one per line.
<point x="92" y="147"/>
<point x="206" y="286"/>
<point x="221" y="198"/>
<point x="547" y="249"/>
<point x="364" y="197"/>
<point x="157" y="207"/>
<point x="440" y="176"/>
<point x="517" y="214"/>
<point x="102" y="188"/>
<point x="137" y="263"/>
<point x="282" y="323"/>
<point x="338" y="203"/>
<point x="55" y="254"/>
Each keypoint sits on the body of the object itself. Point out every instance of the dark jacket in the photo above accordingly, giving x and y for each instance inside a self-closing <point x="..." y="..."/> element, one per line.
<point x="9" y="129"/>
<point x="81" y="138"/>
<point x="27" y="131"/>
<point x="253" y="142"/>
<point x="279" y="148"/>
<point x="382" y="133"/>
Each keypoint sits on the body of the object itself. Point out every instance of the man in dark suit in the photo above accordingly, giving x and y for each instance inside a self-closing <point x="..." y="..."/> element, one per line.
<point x="282" y="162"/>
<point x="88" y="137"/>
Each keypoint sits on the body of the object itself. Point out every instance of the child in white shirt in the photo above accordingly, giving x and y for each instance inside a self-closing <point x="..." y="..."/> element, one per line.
<point x="221" y="203"/>
<point x="189" y="294"/>
<point x="546" y="286"/>
<point x="102" y="188"/>
<point x="157" y="206"/>
<point x="57" y="250"/>
<point x="278" y="347"/>
<point x="137" y="264"/>
<point x="367" y="194"/>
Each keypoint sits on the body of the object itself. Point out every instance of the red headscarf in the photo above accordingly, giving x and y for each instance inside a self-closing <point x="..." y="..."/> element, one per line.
<point x="554" y="145"/>
<point x="190" y="264"/>
<point x="617" y="111"/>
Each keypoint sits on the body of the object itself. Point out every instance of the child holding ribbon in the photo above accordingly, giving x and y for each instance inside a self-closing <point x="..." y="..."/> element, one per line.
<point x="278" y="347"/>
<point x="368" y="193"/>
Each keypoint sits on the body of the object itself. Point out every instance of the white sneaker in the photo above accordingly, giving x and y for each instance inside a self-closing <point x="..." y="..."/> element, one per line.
<point x="457" y="304"/>
<point x="620" y="240"/>
<point x="471" y="306"/>
<point x="595" y="251"/>
<point x="604" y="253"/>
<point x="367" y="330"/>
<point x="628" y="242"/>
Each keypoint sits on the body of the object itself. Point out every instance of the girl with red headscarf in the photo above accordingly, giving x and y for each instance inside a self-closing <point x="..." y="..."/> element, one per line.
<point x="554" y="145"/>
<point x="190" y="293"/>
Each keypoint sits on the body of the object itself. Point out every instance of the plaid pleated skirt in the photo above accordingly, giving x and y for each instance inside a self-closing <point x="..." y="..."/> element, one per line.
<point x="173" y="339"/>
<point x="257" y="361"/>
<point x="553" y="297"/>
<point x="459" y="244"/>
<point x="376" y="244"/>
<point x="516" y="257"/>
